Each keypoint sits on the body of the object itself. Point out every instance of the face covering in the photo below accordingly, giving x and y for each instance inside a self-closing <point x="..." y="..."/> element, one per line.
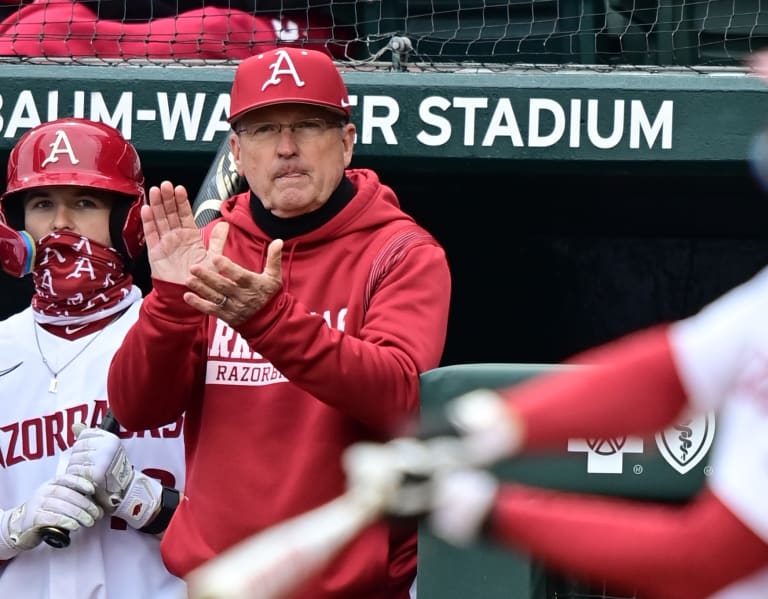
<point x="78" y="280"/>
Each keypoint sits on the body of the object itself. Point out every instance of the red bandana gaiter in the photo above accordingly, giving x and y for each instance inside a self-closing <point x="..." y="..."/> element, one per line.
<point x="78" y="280"/>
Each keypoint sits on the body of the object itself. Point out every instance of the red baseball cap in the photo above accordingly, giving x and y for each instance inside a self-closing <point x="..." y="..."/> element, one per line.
<point x="287" y="75"/>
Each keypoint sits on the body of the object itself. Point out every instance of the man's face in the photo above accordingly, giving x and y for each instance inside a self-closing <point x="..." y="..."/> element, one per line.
<point x="295" y="171"/>
<point x="68" y="208"/>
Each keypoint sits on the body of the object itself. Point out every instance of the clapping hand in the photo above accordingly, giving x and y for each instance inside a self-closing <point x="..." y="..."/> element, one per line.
<point x="173" y="240"/>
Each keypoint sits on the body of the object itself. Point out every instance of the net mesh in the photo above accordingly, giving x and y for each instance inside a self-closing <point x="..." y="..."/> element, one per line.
<point x="388" y="34"/>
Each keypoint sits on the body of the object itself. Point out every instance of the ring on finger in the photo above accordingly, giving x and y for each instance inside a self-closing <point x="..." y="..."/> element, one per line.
<point x="224" y="299"/>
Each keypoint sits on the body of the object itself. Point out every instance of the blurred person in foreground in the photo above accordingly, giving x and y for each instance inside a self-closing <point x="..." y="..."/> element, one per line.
<point x="295" y="325"/>
<point x="70" y="218"/>
<point x="715" y="545"/>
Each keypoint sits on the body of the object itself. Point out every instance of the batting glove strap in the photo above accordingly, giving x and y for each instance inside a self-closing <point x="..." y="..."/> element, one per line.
<point x="140" y="502"/>
<point x="168" y="504"/>
<point x="7" y="550"/>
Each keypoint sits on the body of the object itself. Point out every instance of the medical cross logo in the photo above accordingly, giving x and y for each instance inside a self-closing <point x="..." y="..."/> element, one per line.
<point x="686" y="443"/>
<point x="606" y="456"/>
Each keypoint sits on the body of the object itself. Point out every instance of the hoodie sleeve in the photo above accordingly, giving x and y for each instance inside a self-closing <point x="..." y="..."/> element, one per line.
<point x="142" y="397"/>
<point x="630" y="386"/>
<point x="619" y="542"/>
<point x="373" y="377"/>
<point x="642" y="382"/>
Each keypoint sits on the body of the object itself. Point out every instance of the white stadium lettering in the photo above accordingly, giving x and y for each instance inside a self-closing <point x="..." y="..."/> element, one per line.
<point x="465" y="121"/>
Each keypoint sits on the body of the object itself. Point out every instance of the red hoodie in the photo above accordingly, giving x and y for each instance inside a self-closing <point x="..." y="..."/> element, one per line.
<point x="332" y="359"/>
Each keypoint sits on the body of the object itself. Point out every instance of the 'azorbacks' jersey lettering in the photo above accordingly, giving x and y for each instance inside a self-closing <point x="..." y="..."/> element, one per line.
<point x="47" y="435"/>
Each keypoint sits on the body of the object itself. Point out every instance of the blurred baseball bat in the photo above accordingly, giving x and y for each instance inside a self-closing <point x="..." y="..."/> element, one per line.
<point x="276" y="562"/>
<point x="222" y="181"/>
<point x="59" y="537"/>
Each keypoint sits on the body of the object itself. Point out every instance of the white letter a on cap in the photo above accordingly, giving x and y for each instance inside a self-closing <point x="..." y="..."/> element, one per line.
<point x="282" y="66"/>
<point x="60" y="145"/>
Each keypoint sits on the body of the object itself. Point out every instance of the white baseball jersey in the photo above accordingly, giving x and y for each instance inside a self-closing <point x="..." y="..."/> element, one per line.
<point x="722" y="356"/>
<point x="110" y="560"/>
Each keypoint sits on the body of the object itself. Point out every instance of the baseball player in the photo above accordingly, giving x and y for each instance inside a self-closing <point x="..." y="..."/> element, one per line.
<point x="714" y="546"/>
<point x="70" y="218"/>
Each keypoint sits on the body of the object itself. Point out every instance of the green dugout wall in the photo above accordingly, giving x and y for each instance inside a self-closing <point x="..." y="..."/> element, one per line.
<point x="573" y="205"/>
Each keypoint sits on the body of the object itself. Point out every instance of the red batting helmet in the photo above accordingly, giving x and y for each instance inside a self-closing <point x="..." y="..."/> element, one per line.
<point x="76" y="151"/>
<point x="287" y="75"/>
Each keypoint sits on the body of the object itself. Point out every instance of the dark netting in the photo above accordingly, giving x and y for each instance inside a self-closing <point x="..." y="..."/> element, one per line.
<point x="389" y="34"/>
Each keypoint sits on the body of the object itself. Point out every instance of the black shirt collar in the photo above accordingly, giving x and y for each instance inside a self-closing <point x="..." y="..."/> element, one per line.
<point x="287" y="228"/>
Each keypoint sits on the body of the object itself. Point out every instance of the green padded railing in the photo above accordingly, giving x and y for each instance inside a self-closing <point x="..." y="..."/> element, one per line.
<point x="484" y="571"/>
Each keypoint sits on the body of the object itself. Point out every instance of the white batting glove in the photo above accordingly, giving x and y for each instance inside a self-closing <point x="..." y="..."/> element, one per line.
<point x="481" y="420"/>
<point x="64" y="502"/>
<point x="395" y="476"/>
<point x="99" y="456"/>
<point x="408" y="477"/>
<point x="462" y="501"/>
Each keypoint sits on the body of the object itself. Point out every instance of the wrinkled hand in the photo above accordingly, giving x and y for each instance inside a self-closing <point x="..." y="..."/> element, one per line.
<point x="228" y="291"/>
<point x="99" y="456"/>
<point x="64" y="502"/>
<point x="174" y="243"/>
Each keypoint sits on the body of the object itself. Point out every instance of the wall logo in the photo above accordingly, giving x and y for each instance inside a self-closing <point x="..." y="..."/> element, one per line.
<point x="606" y="456"/>
<point x="685" y="444"/>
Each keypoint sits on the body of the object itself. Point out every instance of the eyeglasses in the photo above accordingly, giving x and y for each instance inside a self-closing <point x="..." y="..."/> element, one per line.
<point x="303" y="130"/>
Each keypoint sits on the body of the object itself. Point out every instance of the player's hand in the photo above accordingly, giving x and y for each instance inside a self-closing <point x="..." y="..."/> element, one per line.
<point x="486" y="427"/>
<point x="100" y="457"/>
<point x="461" y="503"/>
<point x="63" y="502"/>
<point x="401" y="474"/>
<point x="396" y="476"/>
<point x="412" y="478"/>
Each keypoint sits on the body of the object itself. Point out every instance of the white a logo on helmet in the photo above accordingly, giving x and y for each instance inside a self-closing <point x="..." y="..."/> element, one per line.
<point x="283" y="65"/>
<point x="60" y="145"/>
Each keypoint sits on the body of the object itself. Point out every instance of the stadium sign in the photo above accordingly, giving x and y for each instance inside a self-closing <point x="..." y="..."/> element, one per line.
<point x="521" y="116"/>
<point x="199" y="117"/>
